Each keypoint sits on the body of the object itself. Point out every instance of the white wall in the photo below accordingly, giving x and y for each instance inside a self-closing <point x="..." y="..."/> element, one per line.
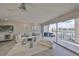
<point x="19" y="26"/>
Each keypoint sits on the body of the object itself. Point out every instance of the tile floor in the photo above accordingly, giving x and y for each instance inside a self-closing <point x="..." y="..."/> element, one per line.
<point x="6" y="46"/>
<point x="57" y="50"/>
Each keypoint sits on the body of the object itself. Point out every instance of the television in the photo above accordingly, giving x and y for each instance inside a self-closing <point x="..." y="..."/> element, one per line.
<point x="4" y="28"/>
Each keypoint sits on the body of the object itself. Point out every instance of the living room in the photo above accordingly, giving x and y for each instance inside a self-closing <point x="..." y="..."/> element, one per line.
<point x="22" y="28"/>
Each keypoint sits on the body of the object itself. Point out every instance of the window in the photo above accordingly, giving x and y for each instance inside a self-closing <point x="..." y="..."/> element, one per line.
<point x="46" y="31"/>
<point x="61" y="30"/>
<point x="66" y="30"/>
<point x="52" y="29"/>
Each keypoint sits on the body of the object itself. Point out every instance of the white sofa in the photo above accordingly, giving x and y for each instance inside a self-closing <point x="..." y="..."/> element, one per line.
<point x="46" y="43"/>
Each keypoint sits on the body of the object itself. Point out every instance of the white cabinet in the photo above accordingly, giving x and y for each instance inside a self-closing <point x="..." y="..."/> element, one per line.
<point x="5" y="36"/>
<point x="2" y="38"/>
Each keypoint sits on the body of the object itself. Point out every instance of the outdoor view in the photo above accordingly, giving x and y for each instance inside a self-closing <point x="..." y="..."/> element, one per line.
<point x="65" y="30"/>
<point x="52" y="29"/>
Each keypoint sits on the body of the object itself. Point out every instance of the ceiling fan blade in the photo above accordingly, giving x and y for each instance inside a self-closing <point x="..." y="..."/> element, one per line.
<point x="22" y="6"/>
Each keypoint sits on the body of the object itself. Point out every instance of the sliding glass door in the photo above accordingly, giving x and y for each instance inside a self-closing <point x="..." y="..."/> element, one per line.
<point x="61" y="31"/>
<point x="52" y="30"/>
<point x="66" y="30"/>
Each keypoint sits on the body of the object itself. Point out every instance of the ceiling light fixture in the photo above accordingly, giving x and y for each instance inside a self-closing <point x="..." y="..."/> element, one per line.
<point x="6" y="19"/>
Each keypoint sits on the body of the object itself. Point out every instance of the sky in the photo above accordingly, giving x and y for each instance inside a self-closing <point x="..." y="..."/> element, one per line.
<point x="66" y="24"/>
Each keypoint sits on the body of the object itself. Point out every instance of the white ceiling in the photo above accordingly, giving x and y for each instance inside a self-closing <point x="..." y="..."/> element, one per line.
<point x="35" y="13"/>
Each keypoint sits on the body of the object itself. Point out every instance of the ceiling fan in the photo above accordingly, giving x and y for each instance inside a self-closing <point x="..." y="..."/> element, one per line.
<point x="23" y="7"/>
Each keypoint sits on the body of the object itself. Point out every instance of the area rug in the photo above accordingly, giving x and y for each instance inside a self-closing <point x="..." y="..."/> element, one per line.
<point x="24" y="50"/>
